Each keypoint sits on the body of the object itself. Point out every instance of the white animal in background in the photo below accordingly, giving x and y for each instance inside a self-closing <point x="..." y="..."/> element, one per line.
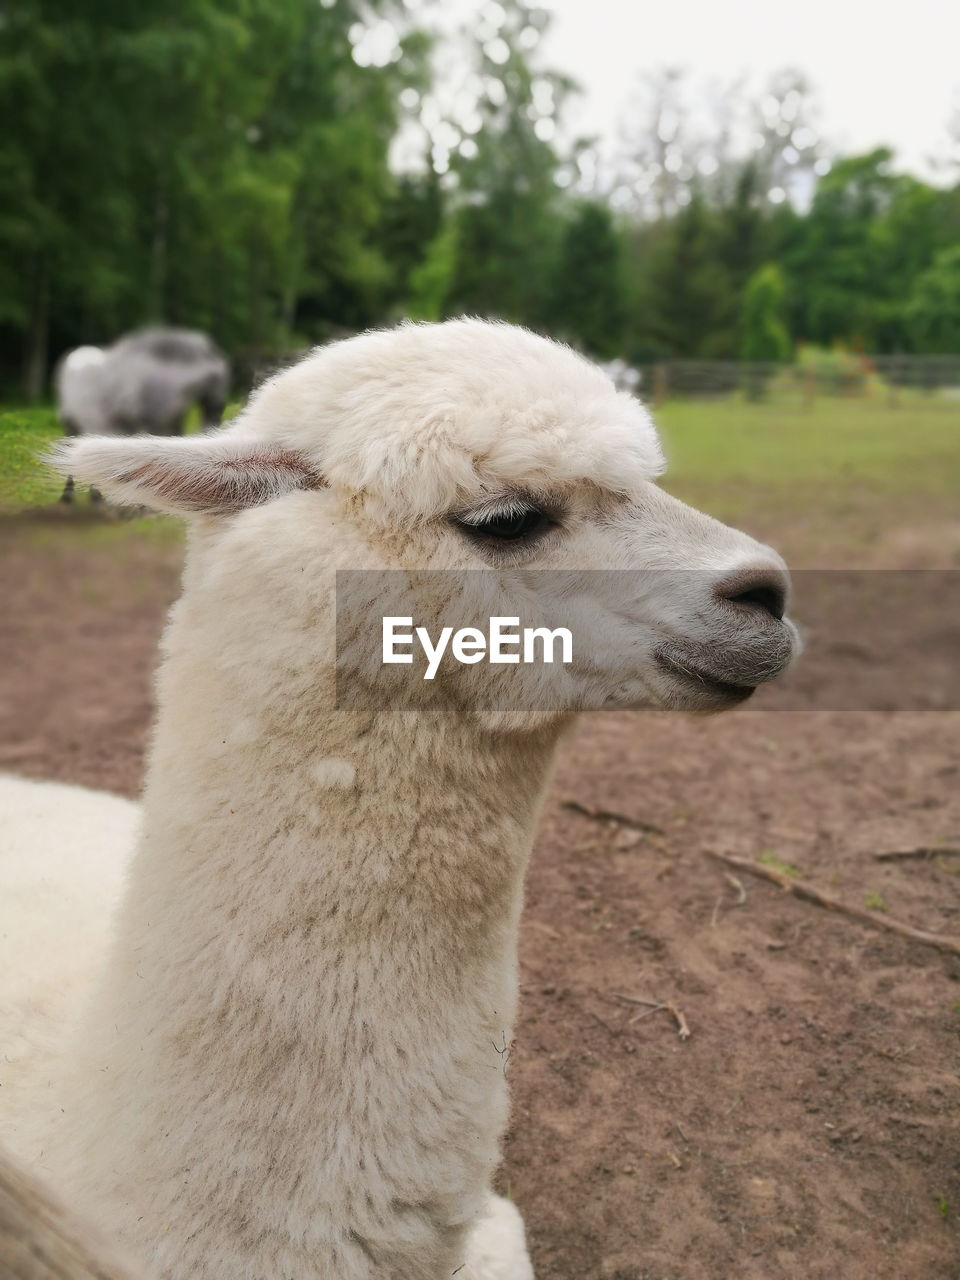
<point x="146" y="381"/>
<point x="624" y="376"/>
<point x="289" y="1064"/>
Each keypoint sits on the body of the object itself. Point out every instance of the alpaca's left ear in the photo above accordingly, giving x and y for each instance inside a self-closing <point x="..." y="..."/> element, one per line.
<point x="184" y="475"/>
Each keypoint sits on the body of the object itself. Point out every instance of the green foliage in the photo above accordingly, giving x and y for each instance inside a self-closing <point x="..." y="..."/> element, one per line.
<point x="226" y="165"/>
<point x="869" y="234"/>
<point x="933" y="308"/>
<point x="764" y="333"/>
<point x="431" y="280"/>
<point x="506" y="208"/>
<point x="838" y="371"/>
<point x="588" y="297"/>
<point x="199" y="161"/>
<point x="24" y="480"/>
<point x="691" y="294"/>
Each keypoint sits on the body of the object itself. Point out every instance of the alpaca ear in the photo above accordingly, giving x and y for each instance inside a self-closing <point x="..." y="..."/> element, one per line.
<point x="183" y="475"/>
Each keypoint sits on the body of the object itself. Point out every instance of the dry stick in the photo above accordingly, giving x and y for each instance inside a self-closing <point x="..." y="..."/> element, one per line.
<point x="609" y="815"/>
<point x="543" y="927"/>
<point x="655" y="1006"/>
<point x="736" y="884"/>
<point x="741" y="897"/>
<point x="647" y="1013"/>
<point x="809" y="894"/>
<point x="895" y="855"/>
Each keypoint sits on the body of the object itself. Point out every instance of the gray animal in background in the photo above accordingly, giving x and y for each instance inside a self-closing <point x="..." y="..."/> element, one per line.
<point x="145" y="382"/>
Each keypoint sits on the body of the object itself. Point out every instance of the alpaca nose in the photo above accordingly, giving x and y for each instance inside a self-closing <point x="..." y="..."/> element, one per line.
<point x="762" y="587"/>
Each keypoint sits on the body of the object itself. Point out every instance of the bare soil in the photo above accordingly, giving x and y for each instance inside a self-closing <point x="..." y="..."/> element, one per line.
<point x="808" y="1127"/>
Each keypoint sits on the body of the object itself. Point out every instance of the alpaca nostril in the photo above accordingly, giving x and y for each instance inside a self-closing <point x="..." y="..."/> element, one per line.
<point x="764" y="589"/>
<point x="768" y="598"/>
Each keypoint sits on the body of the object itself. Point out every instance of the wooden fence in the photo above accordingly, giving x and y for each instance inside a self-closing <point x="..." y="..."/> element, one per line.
<point x="889" y="380"/>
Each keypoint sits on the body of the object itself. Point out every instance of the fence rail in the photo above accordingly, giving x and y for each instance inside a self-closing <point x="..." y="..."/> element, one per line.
<point x="882" y="378"/>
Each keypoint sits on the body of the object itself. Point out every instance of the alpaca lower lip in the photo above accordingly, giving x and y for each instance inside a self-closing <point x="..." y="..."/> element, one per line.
<point x="703" y="681"/>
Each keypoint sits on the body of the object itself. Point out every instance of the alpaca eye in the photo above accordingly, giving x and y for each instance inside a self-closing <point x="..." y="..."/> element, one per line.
<point x="513" y="525"/>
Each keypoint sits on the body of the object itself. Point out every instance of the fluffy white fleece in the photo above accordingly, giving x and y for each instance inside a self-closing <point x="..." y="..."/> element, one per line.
<point x="289" y="1064"/>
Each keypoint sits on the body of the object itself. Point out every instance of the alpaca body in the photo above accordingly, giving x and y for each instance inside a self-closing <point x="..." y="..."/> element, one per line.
<point x="292" y="1062"/>
<point x="63" y="857"/>
<point x="66" y="1120"/>
<point x="366" y="892"/>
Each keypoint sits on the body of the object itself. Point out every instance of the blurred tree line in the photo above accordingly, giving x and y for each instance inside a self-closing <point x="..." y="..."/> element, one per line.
<point x="278" y="171"/>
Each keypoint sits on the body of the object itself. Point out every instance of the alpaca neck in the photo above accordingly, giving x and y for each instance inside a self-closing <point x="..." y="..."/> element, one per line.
<point x="314" y="969"/>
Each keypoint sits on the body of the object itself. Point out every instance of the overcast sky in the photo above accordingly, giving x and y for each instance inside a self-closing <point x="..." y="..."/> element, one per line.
<point x="882" y="72"/>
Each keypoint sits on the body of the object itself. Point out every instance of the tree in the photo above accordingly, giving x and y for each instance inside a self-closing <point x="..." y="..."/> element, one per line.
<point x="932" y="312"/>
<point x="588" y="298"/>
<point x="430" y="282"/>
<point x="504" y="199"/>
<point x="764" y="333"/>
<point x="234" y="166"/>
<point x="412" y="219"/>
<point x="661" y="152"/>
<point x="218" y="164"/>
<point x="786" y="145"/>
<point x="690" y="291"/>
<point x="836" y="260"/>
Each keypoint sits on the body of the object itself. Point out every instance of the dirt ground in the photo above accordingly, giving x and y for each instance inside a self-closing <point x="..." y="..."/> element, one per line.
<point x="808" y="1126"/>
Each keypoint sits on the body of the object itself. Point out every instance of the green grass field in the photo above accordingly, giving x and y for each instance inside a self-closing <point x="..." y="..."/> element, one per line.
<point x="859" y="463"/>
<point x="24" y="435"/>
<point x="726" y="455"/>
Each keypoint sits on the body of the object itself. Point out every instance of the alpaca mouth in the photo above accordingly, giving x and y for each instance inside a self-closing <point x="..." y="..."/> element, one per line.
<point x="696" y="679"/>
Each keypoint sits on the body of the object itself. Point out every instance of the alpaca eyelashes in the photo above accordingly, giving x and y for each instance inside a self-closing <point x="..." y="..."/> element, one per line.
<point x="517" y="523"/>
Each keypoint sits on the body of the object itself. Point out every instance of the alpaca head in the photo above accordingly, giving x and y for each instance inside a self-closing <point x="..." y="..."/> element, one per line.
<point x="464" y="446"/>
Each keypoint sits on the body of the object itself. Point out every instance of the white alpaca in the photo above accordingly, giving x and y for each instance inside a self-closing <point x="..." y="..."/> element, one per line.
<point x="146" y="381"/>
<point x="290" y="1062"/>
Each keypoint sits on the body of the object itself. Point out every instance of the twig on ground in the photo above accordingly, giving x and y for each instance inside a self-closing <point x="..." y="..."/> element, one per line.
<point x="683" y="1031"/>
<point x="649" y="1004"/>
<point x="738" y="885"/>
<point x="741" y="897"/>
<point x="655" y="1006"/>
<point x="639" y="1017"/>
<point x="921" y="851"/>
<point x="820" y="899"/>
<point x="543" y="927"/>
<point x="611" y="816"/>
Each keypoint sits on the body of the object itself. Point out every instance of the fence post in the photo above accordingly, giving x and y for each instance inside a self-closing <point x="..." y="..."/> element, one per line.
<point x="893" y="389"/>
<point x="661" y="384"/>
